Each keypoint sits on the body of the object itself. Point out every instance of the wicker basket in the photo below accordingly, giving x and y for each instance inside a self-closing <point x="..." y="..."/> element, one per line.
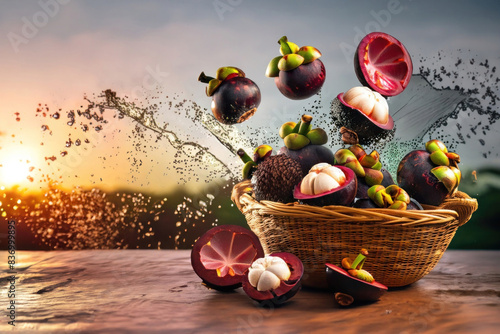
<point x="404" y="246"/>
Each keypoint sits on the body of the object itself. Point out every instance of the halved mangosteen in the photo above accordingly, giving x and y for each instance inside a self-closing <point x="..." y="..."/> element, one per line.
<point x="327" y="185"/>
<point x="221" y="257"/>
<point x="339" y="281"/>
<point x="383" y="63"/>
<point x="384" y="67"/>
<point x="352" y="283"/>
<point x="274" y="279"/>
<point x="365" y="112"/>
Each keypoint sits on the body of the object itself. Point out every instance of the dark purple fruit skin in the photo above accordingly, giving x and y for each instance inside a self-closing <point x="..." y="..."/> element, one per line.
<point x="233" y="98"/>
<point x="303" y="81"/>
<point x="339" y="280"/>
<point x="209" y="277"/>
<point x="369" y="132"/>
<point x="363" y="187"/>
<point x="309" y="156"/>
<point x="286" y="290"/>
<point x="414" y="205"/>
<point x="364" y="203"/>
<point x="340" y="196"/>
<point x="414" y="175"/>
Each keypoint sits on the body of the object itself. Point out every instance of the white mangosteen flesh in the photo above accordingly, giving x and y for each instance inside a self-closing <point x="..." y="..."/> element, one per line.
<point x="267" y="273"/>
<point x="321" y="178"/>
<point x="369" y="102"/>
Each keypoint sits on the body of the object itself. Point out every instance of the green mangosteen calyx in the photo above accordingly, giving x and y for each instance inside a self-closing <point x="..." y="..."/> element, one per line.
<point x="301" y="134"/>
<point x="392" y="197"/>
<point x="446" y="170"/>
<point x="222" y="74"/>
<point x="261" y="153"/>
<point x="366" y="166"/>
<point x="291" y="57"/>
<point x="354" y="268"/>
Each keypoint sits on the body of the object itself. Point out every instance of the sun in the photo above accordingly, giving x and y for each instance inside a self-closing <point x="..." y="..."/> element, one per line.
<point x="16" y="167"/>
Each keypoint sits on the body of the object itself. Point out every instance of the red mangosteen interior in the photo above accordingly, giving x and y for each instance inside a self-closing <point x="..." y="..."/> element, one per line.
<point x="386" y="64"/>
<point x="229" y="253"/>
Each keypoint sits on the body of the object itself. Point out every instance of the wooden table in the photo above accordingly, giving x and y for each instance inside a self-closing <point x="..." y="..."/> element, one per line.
<point x="156" y="291"/>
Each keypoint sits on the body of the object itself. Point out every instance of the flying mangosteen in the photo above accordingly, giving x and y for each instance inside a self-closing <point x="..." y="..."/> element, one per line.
<point x="431" y="175"/>
<point x="235" y="98"/>
<point x="221" y="257"/>
<point x="351" y="283"/>
<point x="274" y="279"/>
<point x="298" y="72"/>
<point x="327" y="185"/>
<point x="384" y="68"/>
<point x="304" y="144"/>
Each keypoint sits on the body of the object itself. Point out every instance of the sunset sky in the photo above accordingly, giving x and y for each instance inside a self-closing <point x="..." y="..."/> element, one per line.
<point x="55" y="52"/>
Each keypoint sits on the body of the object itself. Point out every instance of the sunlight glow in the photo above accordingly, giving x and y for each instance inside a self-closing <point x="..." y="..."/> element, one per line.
<point x="15" y="167"/>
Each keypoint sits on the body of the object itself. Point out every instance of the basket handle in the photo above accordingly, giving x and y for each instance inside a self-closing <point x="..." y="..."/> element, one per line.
<point x="239" y="190"/>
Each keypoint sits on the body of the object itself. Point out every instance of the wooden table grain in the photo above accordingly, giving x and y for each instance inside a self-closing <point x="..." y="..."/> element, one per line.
<point x="156" y="291"/>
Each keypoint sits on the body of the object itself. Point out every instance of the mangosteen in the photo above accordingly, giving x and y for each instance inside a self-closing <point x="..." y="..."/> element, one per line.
<point x="275" y="179"/>
<point x="305" y="144"/>
<point x="383" y="63"/>
<point x="364" y="112"/>
<point x="298" y="73"/>
<point x="234" y="97"/>
<point x="274" y="279"/>
<point x="384" y="68"/>
<point x="221" y="257"/>
<point x="327" y="185"/>
<point x="351" y="283"/>
<point x="430" y="176"/>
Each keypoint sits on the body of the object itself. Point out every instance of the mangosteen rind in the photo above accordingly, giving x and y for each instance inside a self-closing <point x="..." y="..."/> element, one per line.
<point x="209" y="276"/>
<point x="286" y="290"/>
<point x="368" y="131"/>
<point x="309" y="156"/>
<point x="343" y="195"/>
<point x="392" y="55"/>
<point x="339" y="280"/>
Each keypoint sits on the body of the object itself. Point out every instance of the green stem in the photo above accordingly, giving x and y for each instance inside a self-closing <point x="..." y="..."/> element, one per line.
<point x="284" y="45"/>
<point x="204" y="78"/>
<point x="243" y="155"/>
<point x="304" y="124"/>
<point x="358" y="262"/>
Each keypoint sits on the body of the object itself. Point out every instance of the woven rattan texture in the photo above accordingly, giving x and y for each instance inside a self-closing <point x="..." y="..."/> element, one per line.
<point x="404" y="246"/>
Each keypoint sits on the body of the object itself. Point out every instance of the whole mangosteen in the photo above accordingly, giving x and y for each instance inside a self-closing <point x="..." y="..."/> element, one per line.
<point x="298" y="73"/>
<point x="304" y="144"/>
<point x="431" y="175"/>
<point x="235" y="98"/>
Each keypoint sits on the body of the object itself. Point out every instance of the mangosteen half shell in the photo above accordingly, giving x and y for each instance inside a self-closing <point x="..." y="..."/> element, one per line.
<point x="221" y="257"/>
<point x="369" y="131"/>
<point x="339" y="281"/>
<point x="382" y="63"/>
<point x="285" y="290"/>
<point x="343" y="195"/>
